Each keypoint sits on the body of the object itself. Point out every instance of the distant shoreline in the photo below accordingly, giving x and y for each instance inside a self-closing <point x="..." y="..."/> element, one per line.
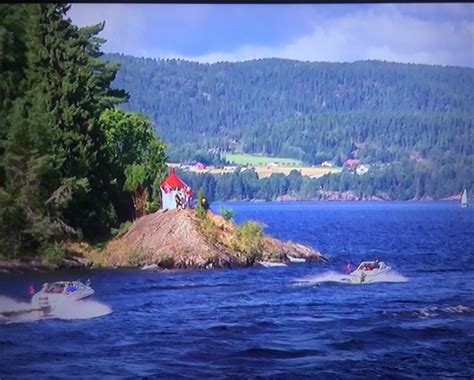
<point x="295" y="200"/>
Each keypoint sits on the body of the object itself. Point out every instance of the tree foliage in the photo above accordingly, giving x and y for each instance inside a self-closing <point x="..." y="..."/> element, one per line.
<point x="59" y="176"/>
<point x="418" y="119"/>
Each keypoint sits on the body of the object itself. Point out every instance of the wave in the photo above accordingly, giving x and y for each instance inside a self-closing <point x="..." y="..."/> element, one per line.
<point x="435" y="311"/>
<point x="16" y="311"/>
<point x="82" y="309"/>
<point x="336" y="277"/>
<point x="273" y="353"/>
<point x="12" y="310"/>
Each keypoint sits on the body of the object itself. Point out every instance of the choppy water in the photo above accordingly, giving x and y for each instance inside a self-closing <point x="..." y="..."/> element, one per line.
<point x="282" y="322"/>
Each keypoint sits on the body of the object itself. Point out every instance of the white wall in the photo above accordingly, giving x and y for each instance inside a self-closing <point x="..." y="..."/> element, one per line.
<point x="168" y="199"/>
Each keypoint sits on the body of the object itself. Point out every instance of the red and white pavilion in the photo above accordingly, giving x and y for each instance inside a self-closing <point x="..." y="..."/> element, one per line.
<point x="171" y="186"/>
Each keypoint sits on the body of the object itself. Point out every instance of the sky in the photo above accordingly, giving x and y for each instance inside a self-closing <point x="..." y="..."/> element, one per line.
<point x="437" y="34"/>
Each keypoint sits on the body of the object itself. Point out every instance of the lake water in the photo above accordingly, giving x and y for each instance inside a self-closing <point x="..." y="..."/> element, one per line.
<point x="280" y="323"/>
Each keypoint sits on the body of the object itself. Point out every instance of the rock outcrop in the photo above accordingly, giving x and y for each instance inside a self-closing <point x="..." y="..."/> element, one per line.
<point x="180" y="239"/>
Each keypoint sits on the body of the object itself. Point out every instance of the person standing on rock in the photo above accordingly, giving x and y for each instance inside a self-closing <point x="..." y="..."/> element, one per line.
<point x="205" y="204"/>
<point x="187" y="196"/>
<point x="179" y="203"/>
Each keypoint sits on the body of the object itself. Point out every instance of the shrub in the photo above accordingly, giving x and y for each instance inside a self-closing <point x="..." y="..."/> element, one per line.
<point x="52" y="252"/>
<point x="227" y="213"/>
<point x="123" y="228"/>
<point x="209" y="229"/>
<point x="248" y="239"/>
<point x="135" y="257"/>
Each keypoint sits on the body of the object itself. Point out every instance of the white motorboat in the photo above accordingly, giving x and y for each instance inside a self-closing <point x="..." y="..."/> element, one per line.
<point x="367" y="271"/>
<point x="295" y="259"/>
<point x="52" y="295"/>
<point x="150" y="267"/>
<point x="268" y="264"/>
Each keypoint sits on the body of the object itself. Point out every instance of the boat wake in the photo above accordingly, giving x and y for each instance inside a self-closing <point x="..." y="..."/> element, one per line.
<point x="336" y="277"/>
<point x="12" y="311"/>
<point x="435" y="311"/>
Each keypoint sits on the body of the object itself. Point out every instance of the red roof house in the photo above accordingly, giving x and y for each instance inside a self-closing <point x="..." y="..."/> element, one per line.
<point x="352" y="163"/>
<point x="172" y="186"/>
<point x="173" y="181"/>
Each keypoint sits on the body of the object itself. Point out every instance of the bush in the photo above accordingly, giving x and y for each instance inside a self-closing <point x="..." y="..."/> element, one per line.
<point x="209" y="229"/>
<point x="52" y="252"/>
<point x="248" y="240"/>
<point x="135" y="257"/>
<point x="227" y="213"/>
<point x="123" y="228"/>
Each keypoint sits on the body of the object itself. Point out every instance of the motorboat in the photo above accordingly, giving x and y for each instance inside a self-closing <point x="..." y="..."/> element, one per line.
<point x="150" y="267"/>
<point x="268" y="264"/>
<point x="56" y="293"/>
<point x="295" y="259"/>
<point x="367" y="271"/>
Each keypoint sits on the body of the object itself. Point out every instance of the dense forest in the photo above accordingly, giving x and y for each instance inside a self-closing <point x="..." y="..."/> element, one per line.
<point x="72" y="165"/>
<point x="411" y="122"/>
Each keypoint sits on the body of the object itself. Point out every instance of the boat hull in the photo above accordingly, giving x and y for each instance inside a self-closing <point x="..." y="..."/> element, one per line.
<point x="269" y="264"/>
<point x="366" y="277"/>
<point x="48" y="301"/>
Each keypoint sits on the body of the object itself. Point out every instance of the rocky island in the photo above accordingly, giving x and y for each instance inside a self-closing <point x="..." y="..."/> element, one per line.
<point x="179" y="239"/>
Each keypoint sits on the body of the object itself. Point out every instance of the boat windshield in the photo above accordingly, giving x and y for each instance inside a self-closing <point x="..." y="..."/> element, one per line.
<point x="369" y="265"/>
<point x="65" y="287"/>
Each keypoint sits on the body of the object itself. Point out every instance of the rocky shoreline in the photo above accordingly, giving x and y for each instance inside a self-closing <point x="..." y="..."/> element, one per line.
<point x="175" y="239"/>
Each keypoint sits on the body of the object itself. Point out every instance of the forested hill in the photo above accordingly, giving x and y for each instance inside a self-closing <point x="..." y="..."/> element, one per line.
<point x="304" y="110"/>
<point x="412" y="123"/>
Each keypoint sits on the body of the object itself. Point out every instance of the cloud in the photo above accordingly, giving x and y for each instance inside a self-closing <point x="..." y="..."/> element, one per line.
<point x="412" y="33"/>
<point x="384" y="33"/>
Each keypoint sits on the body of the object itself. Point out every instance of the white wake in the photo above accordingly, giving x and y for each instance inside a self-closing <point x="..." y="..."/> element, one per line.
<point x="12" y="310"/>
<point x="336" y="277"/>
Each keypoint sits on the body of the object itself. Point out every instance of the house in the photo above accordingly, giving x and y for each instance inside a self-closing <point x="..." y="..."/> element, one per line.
<point x="199" y="166"/>
<point x="351" y="163"/>
<point x="362" y="169"/>
<point x="170" y="187"/>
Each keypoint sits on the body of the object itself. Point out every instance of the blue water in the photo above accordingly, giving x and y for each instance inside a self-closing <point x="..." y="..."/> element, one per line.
<point x="267" y="322"/>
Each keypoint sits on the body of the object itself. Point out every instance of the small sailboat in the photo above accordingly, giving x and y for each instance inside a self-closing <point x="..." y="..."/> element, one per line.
<point x="464" y="202"/>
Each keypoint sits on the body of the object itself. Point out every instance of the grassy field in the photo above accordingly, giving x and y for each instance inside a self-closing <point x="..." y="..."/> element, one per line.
<point x="266" y="171"/>
<point x="263" y="170"/>
<point x="309" y="171"/>
<point x="249" y="159"/>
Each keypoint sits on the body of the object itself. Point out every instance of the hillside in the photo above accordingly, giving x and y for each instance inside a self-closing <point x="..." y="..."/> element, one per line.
<point x="308" y="111"/>
<point x="418" y="117"/>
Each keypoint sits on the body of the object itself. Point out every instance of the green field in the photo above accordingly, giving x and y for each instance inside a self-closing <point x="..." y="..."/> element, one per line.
<point x="249" y="159"/>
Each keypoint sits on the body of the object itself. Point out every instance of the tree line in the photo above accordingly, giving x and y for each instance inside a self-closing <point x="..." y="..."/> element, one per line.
<point x="417" y="119"/>
<point x="72" y="165"/>
<point x="401" y="181"/>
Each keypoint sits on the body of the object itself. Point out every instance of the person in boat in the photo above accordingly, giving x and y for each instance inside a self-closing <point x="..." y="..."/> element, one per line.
<point x="71" y="287"/>
<point x="348" y="268"/>
<point x="31" y="290"/>
<point x="367" y="266"/>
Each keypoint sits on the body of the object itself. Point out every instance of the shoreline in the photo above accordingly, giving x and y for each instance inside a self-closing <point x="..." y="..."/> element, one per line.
<point x="312" y="200"/>
<point x="84" y="259"/>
